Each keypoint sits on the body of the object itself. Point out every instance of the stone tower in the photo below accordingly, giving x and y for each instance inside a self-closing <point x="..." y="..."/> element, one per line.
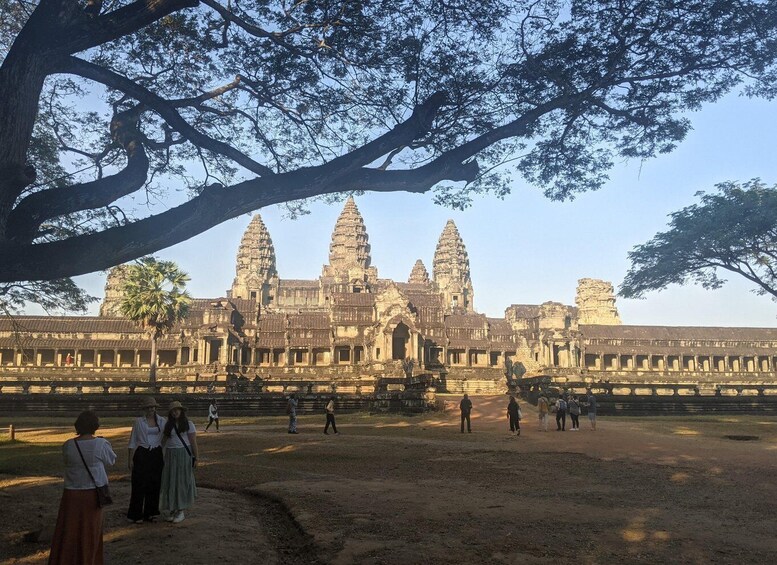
<point x="419" y="274"/>
<point x="349" y="252"/>
<point x="451" y="270"/>
<point x="255" y="271"/>
<point x="113" y="293"/>
<point x="595" y="302"/>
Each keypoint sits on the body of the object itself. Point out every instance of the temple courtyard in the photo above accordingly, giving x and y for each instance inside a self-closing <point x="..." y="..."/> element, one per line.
<point x="412" y="489"/>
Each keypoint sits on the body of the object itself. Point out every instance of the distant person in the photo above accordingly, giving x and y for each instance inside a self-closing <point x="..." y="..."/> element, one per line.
<point x="291" y="410"/>
<point x="514" y="416"/>
<point x="179" y="489"/>
<point x="591" y="403"/>
<point x="78" y="535"/>
<point x="561" y="414"/>
<point x="466" y="410"/>
<point x="69" y="360"/>
<point x="213" y="415"/>
<point x="330" y="416"/>
<point x="543" y="409"/>
<point x="573" y="407"/>
<point x="146" y="462"/>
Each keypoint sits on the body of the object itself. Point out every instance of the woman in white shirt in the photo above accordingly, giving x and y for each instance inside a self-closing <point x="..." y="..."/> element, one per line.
<point x="179" y="440"/>
<point x="78" y="536"/>
<point x="146" y="463"/>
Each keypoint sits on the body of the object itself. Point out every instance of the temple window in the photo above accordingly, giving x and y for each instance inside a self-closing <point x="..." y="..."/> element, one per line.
<point x="494" y="358"/>
<point x="358" y="354"/>
<point x="343" y="354"/>
<point x="253" y="295"/>
<point x="377" y="353"/>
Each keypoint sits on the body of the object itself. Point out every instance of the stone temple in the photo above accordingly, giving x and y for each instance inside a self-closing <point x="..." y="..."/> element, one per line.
<point x="350" y="324"/>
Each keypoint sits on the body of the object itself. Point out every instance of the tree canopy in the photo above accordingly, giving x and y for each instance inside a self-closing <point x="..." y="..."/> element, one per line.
<point x="733" y="229"/>
<point x="106" y="104"/>
<point x="154" y="296"/>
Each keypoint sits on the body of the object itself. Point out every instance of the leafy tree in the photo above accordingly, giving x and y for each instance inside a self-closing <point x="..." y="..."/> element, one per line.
<point x="154" y="296"/>
<point x="61" y="295"/>
<point x="104" y="103"/>
<point x="733" y="229"/>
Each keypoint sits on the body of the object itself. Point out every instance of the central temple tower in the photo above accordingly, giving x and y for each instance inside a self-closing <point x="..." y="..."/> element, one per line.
<point x="349" y="252"/>
<point x="451" y="271"/>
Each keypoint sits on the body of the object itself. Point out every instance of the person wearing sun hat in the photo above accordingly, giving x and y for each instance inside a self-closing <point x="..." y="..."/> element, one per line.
<point x="179" y="440"/>
<point x="146" y="463"/>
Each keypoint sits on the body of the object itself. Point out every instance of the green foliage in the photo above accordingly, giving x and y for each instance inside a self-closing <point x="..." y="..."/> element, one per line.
<point x="56" y="296"/>
<point x="734" y="229"/>
<point x="154" y="294"/>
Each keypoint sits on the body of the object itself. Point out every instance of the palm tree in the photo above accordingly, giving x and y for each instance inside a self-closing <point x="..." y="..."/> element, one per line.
<point x="154" y="296"/>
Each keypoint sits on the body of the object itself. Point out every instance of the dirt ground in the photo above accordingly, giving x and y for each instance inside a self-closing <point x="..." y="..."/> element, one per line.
<point x="405" y="490"/>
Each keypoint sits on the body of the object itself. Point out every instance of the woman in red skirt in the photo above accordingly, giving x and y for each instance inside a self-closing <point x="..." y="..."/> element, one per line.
<point x="78" y="537"/>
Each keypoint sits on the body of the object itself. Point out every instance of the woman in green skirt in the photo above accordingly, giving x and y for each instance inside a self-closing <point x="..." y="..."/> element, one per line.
<point x="179" y="440"/>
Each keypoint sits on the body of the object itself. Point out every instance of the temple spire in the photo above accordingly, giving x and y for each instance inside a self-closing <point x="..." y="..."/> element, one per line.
<point x="419" y="274"/>
<point x="255" y="262"/>
<point x="349" y="252"/>
<point x="451" y="270"/>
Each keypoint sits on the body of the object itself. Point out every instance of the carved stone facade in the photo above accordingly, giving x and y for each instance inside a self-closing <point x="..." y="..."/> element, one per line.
<point x="350" y="322"/>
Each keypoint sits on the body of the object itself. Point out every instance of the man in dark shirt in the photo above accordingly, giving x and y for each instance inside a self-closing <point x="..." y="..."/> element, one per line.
<point x="592" y="409"/>
<point x="466" y="409"/>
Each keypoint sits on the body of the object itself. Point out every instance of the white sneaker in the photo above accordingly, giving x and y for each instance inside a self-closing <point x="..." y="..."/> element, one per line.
<point x="178" y="517"/>
<point x="169" y="516"/>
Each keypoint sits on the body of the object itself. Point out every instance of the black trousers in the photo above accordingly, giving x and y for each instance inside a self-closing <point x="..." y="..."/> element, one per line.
<point x="561" y="419"/>
<point x="147" y="467"/>
<point x="465" y="416"/>
<point x="210" y="421"/>
<point x="330" y="419"/>
<point x="575" y="420"/>
<point x="515" y="423"/>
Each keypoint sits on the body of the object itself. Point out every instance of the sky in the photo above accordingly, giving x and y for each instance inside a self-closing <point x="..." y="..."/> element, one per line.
<point x="526" y="249"/>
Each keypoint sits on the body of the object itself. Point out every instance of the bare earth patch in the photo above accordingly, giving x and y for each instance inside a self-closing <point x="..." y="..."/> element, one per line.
<point x="401" y="490"/>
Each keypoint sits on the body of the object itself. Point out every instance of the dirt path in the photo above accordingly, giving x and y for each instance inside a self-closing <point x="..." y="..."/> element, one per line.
<point x="401" y="490"/>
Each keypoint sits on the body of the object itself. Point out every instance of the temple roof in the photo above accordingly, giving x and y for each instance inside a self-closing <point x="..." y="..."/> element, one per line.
<point x="68" y="324"/>
<point x="451" y="261"/>
<point x="678" y="333"/>
<point x="349" y="247"/>
<point x="419" y="275"/>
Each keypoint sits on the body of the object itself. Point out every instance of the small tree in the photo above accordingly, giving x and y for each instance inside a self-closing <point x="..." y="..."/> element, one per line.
<point x="154" y="296"/>
<point x="734" y="229"/>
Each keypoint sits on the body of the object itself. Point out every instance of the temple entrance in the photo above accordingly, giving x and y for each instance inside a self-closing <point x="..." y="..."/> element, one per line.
<point x="399" y="340"/>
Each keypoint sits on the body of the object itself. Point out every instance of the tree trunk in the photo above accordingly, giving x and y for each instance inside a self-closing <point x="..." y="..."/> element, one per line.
<point x="152" y="371"/>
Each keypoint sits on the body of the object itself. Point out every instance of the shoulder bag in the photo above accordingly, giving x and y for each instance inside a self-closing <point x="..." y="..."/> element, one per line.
<point x="104" y="497"/>
<point x="186" y="447"/>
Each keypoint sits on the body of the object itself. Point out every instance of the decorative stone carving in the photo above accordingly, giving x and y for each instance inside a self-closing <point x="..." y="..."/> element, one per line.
<point x="451" y="270"/>
<point x="255" y="262"/>
<point x="113" y="292"/>
<point x="419" y="274"/>
<point x="595" y="302"/>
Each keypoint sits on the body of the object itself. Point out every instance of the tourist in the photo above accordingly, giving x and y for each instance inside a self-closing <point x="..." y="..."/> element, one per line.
<point x="561" y="414"/>
<point x="514" y="416"/>
<point x="69" y="360"/>
<point x="78" y="535"/>
<point x="145" y="463"/>
<point x="573" y="407"/>
<point x="543" y="408"/>
<point x="291" y="410"/>
<point x="213" y="415"/>
<point x="591" y="403"/>
<point x="330" y="416"/>
<point x="466" y="410"/>
<point x="179" y="440"/>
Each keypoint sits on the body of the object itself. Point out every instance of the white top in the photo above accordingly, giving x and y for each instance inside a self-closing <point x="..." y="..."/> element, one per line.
<point x="213" y="412"/>
<point x="174" y="443"/>
<point x="147" y="436"/>
<point x="98" y="454"/>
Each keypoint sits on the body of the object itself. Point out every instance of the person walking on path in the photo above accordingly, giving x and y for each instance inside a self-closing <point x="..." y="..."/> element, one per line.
<point x="543" y="408"/>
<point x="514" y="416"/>
<point x="573" y="406"/>
<point x="591" y="402"/>
<point x="145" y="463"/>
<point x="213" y="415"/>
<point x="330" y="416"/>
<point x="78" y="535"/>
<point x="179" y="440"/>
<point x="291" y="410"/>
<point x="466" y="410"/>
<point x="561" y="414"/>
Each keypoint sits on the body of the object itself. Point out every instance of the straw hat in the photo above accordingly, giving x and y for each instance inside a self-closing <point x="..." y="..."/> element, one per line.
<point x="175" y="404"/>
<point x="149" y="402"/>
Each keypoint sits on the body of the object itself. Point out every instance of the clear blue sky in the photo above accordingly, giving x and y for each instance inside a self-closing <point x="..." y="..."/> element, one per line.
<point x="527" y="249"/>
